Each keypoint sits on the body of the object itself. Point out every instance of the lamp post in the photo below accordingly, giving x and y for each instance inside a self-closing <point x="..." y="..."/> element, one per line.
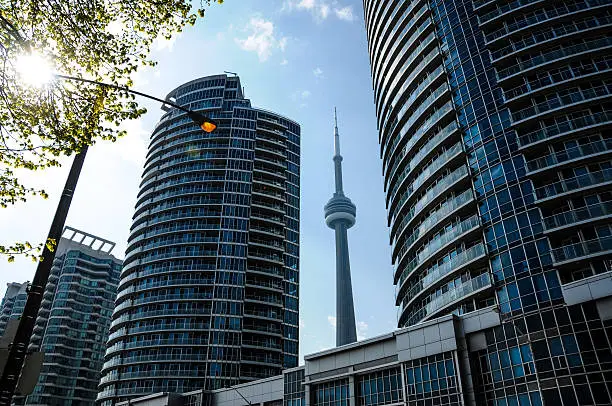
<point x="17" y="352"/>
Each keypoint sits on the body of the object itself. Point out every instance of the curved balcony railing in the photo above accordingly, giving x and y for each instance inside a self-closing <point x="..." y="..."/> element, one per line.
<point x="579" y="151"/>
<point x="544" y="14"/>
<point x="427" y="125"/>
<point x="434" y="246"/>
<point x="427" y="225"/>
<point x="416" y="93"/>
<point x="582" y="249"/>
<point x="546" y="57"/>
<point x="440" y="187"/>
<point x="416" y="114"/>
<point x="576" y="96"/>
<point x="260" y="313"/>
<point x="387" y="71"/>
<point x="409" y="82"/>
<point x="572" y="71"/>
<point x="550" y="33"/>
<point x="378" y="56"/>
<point x="438" y="273"/>
<point x="440" y="162"/>
<point x="425" y="150"/>
<point x="573" y="184"/>
<point x="504" y="9"/>
<point x="568" y="126"/>
<point x="579" y="215"/>
<point x="460" y="292"/>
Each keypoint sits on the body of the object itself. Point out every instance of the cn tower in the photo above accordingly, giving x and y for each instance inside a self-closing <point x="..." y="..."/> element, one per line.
<point x="340" y="215"/>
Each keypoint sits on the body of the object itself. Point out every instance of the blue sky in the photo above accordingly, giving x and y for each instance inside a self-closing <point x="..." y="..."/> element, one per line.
<point x="299" y="58"/>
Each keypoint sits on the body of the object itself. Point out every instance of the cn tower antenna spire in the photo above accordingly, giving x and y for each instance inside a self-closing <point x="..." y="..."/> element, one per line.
<point x="340" y="215"/>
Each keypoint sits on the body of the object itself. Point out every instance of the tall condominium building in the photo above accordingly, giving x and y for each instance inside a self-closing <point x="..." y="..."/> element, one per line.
<point x="12" y="304"/>
<point x="209" y="289"/>
<point x="73" y="320"/>
<point x="494" y="120"/>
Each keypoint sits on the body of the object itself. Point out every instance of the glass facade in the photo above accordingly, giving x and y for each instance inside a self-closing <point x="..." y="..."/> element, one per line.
<point x="12" y="304"/>
<point x="208" y="296"/>
<point x="73" y="321"/>
<point x="494" y="120"/>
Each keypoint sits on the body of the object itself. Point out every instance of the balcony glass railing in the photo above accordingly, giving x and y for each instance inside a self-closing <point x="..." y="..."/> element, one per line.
<point x="423" y="151"/>
<point x="575" y="96"/>
<point x="554" y="55"/>
<point x="392" y="159"/>
<point x="435" y="274"/>
<point x="548" y="13"/>
<point x="439" y="188"/>
<point x="577" y="215"/>
<point x="427" y="172"/>
<point x="569" y="154"/>
<point x="459" y="292"/>
<point x="440" y="241"/>
<point x="551" y="32"/>
<point x="505" y="8"/>
<point x="408" y="44"/>
<point x="407" y="104"/>
<point x="380" y="55"/>
<point x="582" y="249"/>
<point x="416" y="114"/>
<point x="441" y="214"/>
<point x="562" y="127"/>
<point x="408" y="62"/>
<point x="571" y="184"/>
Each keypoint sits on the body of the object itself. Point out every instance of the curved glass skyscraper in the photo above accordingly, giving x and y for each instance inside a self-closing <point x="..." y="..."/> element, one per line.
<point x="494" y="121"/>
<point x="209" y="289"/>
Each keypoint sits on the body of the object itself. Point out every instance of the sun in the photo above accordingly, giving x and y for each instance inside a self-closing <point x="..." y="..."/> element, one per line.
<point x="34" y="69"/>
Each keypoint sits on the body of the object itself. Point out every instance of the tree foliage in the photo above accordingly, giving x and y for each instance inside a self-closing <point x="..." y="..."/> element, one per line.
<point x="102" y="40"/>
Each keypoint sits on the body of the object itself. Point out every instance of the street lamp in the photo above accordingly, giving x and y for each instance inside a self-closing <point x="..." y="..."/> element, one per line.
<point x="13" y="360"/>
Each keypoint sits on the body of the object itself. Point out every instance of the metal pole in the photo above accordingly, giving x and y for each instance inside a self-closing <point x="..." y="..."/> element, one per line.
<point x="123" y="88"/>
<point x="19" y="347"/>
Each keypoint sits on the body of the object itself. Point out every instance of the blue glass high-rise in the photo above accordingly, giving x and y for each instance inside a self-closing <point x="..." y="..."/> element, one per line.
<point x="494" y="120"/>
<point x="209" y="289"/>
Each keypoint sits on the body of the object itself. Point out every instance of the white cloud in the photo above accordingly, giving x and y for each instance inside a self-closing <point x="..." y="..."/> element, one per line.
<point x="332" y="321"/>
<point x="161" y="43"/>
<point x="320" y="9"/>
<point x="345" y="13"/>
<point x="262" y="39"/>
<point x="362" y="330"/>
<point x="318" y="72"/>
<point x="284" y="62"/>
<point x="305" y="94"/>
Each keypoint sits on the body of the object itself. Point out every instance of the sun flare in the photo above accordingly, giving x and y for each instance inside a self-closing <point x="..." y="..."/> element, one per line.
<point x="34" y="69"/>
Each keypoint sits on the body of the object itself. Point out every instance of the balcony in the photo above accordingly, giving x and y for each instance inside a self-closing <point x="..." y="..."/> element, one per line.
<point x="505" y="9"/>
<point x="578" y="216"/>
<point x="571" y="154"/>
<point x="427" y="226"/>
<point x="458" y="294"/>
<point x="424" y="151"/>
<point x="441" y="161"/>
<point x="461" y="292"/>
<point x="572" y="126"/>
<point x="558" y="54"/>
<point x="573" y="185"/>
<point x="582" y="250"/>
<point x="585" y="290"/>
<point x="435" y="245"/>
<point x="589" y="94"/>
<point x="443" y="186"/>
<point x="463" y="259"/>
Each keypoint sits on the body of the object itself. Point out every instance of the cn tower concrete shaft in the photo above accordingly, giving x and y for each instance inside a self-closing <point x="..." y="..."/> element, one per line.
<point x="340" y="215"/>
